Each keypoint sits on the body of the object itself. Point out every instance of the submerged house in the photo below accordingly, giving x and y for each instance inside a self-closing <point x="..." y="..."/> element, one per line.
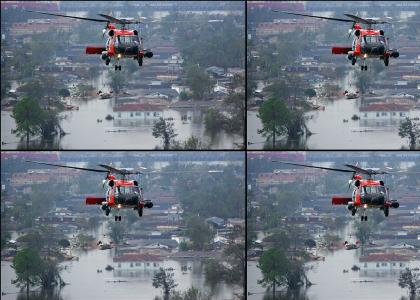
<point x="384" y="111"/>
<point x="137" y="111"/>
<point x="137" y="262"/>
<point x="384" y="262"/>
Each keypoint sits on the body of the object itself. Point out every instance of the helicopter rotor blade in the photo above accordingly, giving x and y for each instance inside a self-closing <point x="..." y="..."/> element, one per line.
<point x="66" y="16"/>
<point x="120" y="21"/>
<point x="69" y="167"/>
<point x="315" y="167"/>
<point x="313" y="16"/>
<point x="366" y="171"/>
<point x="366" y="21"/>
<point x="120" y="171"/>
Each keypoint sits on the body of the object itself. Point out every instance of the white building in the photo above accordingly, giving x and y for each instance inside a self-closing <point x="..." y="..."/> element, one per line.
<point x="137" y="111"/>
<point x="137" y="262"/>
<point x="384" y="111"/>
<point x="384" y="262"/>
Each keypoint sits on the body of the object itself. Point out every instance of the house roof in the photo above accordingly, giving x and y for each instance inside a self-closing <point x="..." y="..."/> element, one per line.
<point x="385" y="107"/>
<point x="137" y="257"/>
<point x="137" y="107"/>
<point x="215" y="220"/>
<point x="384" y="257"/>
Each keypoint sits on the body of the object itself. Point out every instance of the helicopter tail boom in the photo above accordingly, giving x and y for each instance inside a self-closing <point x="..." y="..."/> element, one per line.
<point x="340" y="50"/>
<point x="95" y="50"/>
<point x="340" y="200"/>
<point x="92" y="200"/>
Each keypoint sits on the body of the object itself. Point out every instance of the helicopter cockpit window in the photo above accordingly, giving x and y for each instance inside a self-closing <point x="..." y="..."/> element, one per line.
<point x="127" y="190"/>
<point x="373" y="189"/>
<point x="128" y="39"/>
<point x="374" y="39"/>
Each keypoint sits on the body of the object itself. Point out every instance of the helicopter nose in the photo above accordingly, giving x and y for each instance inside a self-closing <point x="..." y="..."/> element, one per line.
<point x="375" y="49"/>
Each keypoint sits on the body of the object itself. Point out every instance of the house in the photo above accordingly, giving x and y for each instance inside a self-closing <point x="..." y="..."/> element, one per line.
<point x="216" y="222"/>
<point x="384" y="111"/>
<point x="215" y="71"/>
<point x="137" y="262"/>
<point x="137" y="111"/>
<point x="384" y="262"/>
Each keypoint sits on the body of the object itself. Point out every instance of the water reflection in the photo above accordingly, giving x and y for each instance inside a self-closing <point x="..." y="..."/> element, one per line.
<point x="41" y="295"/>
<point x="85" y="132"/>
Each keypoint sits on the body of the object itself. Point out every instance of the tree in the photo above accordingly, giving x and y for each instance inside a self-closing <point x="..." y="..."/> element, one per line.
<point x="193" y="143"/>
<point x="274" y="116"/>
<point x="64" y="243"/>
<point x="310" y="93"/>
<point x="117" y="81"/>
<point x="199" y="81"/>
<point x="279" y="239"/>
<point x="28" y="267"/>
<point x="49" y="124"/>
<point x="5" y="237"/>
<point x="235" y="104"/>
<point x="363" y="232"/>
<point x="411" y="281"/>
<point x="183" y="96"/>
<point x="116" y="232"/>
<point x="273" y="265"/>
<point x="29" y="118"/>
<point x="199" y="233"/>
<point x="165" y="280"/>
<point x="33" y="89"/>
<point x="214" y="270"/>
<point x="164" y="130"/>
<point x="235" y="254"/>
<point x="64" y="92"/>
<point x="191" y="294"/>
<point x="410" y="129"/>
<point x="32" y="240"/>
<point x="214" y="120"/>
<point x="279" y="89"/>
<point x="50" y="274"/>
<point x="83" y="240"/>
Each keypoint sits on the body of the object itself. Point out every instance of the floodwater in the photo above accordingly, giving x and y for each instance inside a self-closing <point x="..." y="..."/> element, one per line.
<point x="85" y="283"/>
<point x="330" y="132"/>
<point x="86" y="133"/>
<point x="331" y="283"/>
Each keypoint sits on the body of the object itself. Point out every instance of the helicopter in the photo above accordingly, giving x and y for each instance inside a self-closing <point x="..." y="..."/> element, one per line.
<point x="367" y="193"/>
<point x="121" y="43"/>
<point x="121" y="193"/>
<point x="367" y="43"/>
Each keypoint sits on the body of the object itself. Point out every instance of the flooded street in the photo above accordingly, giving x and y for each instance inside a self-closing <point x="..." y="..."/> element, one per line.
<point x="85" y="132"/>
<point x="84" y="282"/>
<point x="330" y="132"/>
<point x="329" y="279"/>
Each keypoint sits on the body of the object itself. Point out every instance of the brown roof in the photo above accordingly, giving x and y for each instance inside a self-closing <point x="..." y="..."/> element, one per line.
<point x="385" y="107"/>
<point x="138" y="107"/>
<point x="384" y="257"/>
<point x="137" y="257"/>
